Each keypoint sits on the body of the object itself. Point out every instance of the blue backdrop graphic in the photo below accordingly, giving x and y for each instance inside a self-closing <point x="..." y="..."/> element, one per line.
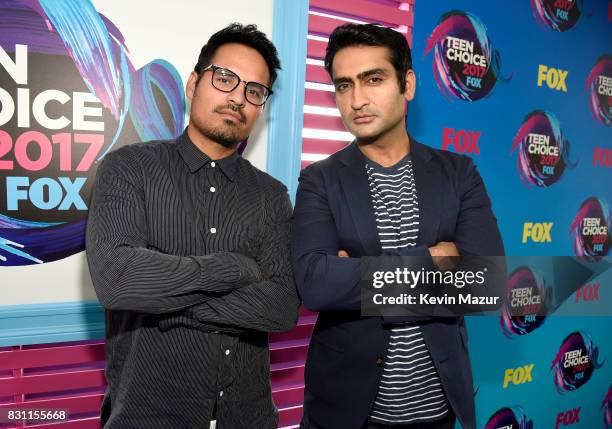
<point x="528" y="47"/>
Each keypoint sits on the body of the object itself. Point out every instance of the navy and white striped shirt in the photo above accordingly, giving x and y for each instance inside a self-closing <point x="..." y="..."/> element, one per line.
<point x="410" y="389"/>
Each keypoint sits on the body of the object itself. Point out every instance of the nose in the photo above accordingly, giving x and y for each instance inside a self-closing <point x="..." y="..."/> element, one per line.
<point x="359" y="97"/>
<point x="236" y="97"/>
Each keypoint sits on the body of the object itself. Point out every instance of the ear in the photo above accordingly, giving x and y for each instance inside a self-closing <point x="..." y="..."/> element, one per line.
<point x="410" y="85"/>
<point x="191" y="85"/>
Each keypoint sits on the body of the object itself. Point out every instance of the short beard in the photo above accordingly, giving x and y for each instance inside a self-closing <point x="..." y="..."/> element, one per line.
<point x="226" y="138"/>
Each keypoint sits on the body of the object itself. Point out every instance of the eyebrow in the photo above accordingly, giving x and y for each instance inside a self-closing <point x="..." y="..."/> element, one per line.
<point x="241" y="80"/>
<point x="360" y="76"/>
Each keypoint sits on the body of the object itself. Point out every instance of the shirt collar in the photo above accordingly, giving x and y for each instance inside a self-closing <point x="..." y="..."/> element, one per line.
<point x="196" y="159"/>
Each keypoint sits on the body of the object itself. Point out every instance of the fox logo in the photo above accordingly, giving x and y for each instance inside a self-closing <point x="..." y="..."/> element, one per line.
<point x="538" y="232"/>
<point x="464" y="141"/>
<point x="554" y="78"/>
<point x="519" y="375"/>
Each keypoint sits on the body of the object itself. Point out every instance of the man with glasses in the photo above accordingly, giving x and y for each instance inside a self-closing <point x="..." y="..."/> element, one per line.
<point x="188" y="247"/>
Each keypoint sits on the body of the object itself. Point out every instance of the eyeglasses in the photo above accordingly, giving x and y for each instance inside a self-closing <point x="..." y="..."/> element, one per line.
<point x="226" y="80"/>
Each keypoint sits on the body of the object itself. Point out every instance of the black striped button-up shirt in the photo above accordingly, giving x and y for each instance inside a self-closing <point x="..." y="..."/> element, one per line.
<point x="191" y="259"/>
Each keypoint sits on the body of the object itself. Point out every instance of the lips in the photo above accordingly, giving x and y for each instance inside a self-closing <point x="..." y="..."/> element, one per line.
<point x="232" y="115"/>
<point x="363" y="119"/>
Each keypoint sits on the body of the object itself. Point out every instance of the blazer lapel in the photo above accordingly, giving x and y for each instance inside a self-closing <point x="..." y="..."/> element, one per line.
<point x="354" y="182"/>
<point x="428" y="182"/>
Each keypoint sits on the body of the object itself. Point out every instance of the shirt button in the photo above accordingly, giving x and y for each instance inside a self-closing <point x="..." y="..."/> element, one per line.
<point x="221" y="393"/>
<point x="212" y="164"/>
<point x="212" y="189"/>
<point x="380" y="361"/>
<point x="227" y="352"/>
<point x="213" y="230"/>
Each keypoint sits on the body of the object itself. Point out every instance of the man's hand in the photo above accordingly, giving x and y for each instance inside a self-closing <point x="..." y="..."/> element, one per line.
<point x="343" y="253"/>
<point x="443" y="255"/>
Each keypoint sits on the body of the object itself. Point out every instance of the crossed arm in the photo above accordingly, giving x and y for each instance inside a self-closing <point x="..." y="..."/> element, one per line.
<point x="242" y="292"/>
<point x="328" y="278"/>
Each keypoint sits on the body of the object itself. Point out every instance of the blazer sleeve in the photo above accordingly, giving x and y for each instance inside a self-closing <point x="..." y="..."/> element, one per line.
<point x="476" y="232"/>
<point x="324" y="280"/>
<point x="477" y="239"/>
<point x="328" y="282"/>
<point x="477" y="236"/>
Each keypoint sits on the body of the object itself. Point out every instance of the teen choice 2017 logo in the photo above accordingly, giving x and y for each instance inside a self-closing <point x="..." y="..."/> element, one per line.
<point x="591" y="229"/>
<point x="560" y="15"/>
<point x="69" y="94"/>
<point x="509" y="417"/>
<point x="465" y="64"/>
<point x="599" y="85"/>
<point x="575" y="362"/>
<point x="543" y="151"/>
<point x="527" y="301"/>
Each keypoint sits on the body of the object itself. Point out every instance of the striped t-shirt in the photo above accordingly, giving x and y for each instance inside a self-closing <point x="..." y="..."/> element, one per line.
<point x="410" y="390"/>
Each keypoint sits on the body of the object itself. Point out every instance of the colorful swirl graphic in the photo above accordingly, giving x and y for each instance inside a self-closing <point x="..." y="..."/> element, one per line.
<point x="591" y="229"/>
<point x="599" y="84"/>
<point x="149" y="124"/>
<point x="72" y="32"/>
<point x="513" y="324"/>
<point x="606" y="406"/>
<point x="560" y="15"/>
<point x="543" y="151"/>
<point x="575" y="362"/>
<point x="513" y="417"/>
<point x="465" y="64"/>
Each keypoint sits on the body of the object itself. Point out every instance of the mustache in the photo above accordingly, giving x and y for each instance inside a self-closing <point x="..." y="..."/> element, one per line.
<point x="358" y="113"/>
<point x="232" y="108"/>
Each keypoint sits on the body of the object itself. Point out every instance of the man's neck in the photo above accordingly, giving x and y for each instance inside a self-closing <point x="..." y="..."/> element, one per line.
<point x="388" y="149"/>
<point x="212" y="149"/>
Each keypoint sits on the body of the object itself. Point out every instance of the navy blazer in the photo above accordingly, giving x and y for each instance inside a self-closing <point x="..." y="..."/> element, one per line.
<point x="334" y="211"/>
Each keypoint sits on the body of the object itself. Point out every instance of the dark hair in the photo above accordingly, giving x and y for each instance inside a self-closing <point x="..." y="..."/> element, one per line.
<point x="247" y="35"/>
<point x="348" y="35"/>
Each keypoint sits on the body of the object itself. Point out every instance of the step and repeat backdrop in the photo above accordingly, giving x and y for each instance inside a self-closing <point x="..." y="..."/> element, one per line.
<point x="79" y="78"/>
<point x="525" y="89"/>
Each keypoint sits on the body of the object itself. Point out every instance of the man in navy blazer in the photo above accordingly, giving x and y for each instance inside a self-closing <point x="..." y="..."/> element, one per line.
<point x="337" y="223"/>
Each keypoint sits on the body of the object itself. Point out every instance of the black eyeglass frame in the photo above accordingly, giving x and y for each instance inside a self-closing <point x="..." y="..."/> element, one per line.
<point x="214" y="69"/>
